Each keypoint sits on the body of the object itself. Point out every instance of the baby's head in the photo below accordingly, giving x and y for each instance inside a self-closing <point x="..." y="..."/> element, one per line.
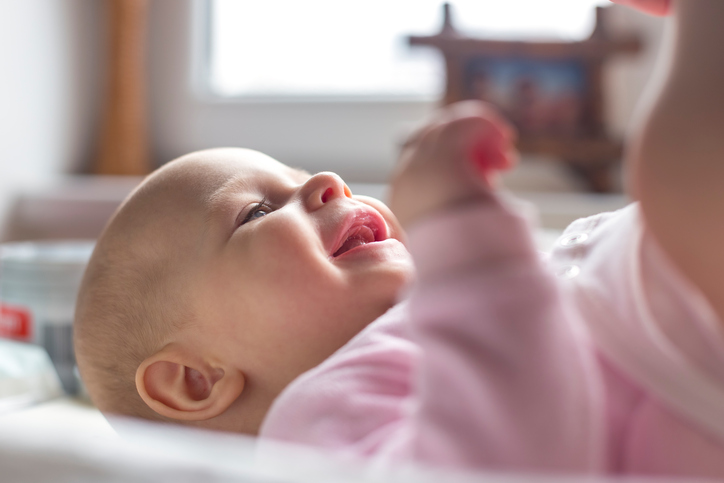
<point x="224" y="276"/>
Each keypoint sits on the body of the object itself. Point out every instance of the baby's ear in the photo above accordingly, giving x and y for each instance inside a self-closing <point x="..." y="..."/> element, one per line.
<point x="179" y="384"/>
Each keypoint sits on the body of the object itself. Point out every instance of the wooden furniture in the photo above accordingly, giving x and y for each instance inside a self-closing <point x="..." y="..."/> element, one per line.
<point x="552" y="91"/>
<point x="123" y="135"/>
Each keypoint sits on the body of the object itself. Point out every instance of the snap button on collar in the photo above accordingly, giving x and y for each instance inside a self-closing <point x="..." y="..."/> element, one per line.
<point x="574" y="239"/>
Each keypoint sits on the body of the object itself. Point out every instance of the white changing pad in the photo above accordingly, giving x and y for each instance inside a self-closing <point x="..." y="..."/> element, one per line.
<point x="68" y="441"/>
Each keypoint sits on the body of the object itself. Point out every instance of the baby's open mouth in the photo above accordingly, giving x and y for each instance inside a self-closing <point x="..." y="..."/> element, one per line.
<point x="364" y="229"/>
<point x="360" y="235"/>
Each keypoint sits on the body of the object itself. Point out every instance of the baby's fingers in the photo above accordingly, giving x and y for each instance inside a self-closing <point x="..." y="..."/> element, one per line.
<point x="493" y="150"/>
<point x="485" y="142"/>
<point x="652" y="7"/>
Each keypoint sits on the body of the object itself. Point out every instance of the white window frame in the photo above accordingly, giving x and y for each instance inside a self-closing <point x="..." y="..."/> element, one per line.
<point x="358" y="137"/>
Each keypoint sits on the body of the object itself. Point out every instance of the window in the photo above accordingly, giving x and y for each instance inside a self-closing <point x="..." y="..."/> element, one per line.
<point x="355" y="48"/>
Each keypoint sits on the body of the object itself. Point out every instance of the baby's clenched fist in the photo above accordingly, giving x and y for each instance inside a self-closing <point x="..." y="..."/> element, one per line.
<point x="451" y="161"/>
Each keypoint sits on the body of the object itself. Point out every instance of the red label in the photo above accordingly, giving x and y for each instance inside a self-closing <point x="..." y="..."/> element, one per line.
<point x="15" y="322"/>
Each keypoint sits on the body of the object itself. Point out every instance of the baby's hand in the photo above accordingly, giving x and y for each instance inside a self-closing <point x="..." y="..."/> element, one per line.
<point x="452" y="160"/>
<point x="653" y="7"/>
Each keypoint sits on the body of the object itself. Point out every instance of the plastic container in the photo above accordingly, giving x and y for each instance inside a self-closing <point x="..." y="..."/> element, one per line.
<point x="39" y="283"/>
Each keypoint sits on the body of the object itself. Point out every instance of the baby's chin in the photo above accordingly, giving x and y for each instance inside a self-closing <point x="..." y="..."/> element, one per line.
<point x="393" y="275"/>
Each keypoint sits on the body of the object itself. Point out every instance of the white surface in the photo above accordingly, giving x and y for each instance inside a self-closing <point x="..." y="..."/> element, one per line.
<point x="61" y="415"/>
<point x="64" y="441"/>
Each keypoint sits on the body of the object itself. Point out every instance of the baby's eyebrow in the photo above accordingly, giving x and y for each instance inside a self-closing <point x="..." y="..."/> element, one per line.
<point x="215" y="201"/>
<point x="215" y="207"/>
<point x="231" y="185"/>
<point x="237" y="183"/>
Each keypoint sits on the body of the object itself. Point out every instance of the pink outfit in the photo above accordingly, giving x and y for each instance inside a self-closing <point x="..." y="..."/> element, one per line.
<point x="616" y="366"/>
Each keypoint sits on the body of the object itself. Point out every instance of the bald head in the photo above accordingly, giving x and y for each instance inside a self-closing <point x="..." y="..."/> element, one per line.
<point x="136" y="290"/>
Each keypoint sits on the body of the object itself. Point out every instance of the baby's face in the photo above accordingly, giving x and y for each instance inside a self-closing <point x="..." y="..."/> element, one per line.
<point x="283" y="267"/>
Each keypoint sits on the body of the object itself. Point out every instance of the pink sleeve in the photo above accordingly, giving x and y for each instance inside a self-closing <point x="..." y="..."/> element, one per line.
<point x="504" y="383"/>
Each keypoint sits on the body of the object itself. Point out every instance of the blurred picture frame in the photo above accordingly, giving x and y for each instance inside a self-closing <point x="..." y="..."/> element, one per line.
<point x="540" y="97"/>
<point x="553" y="92"/>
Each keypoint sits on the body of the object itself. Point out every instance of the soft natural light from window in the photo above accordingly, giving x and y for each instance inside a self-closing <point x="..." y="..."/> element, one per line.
<point x="312" y="48"/>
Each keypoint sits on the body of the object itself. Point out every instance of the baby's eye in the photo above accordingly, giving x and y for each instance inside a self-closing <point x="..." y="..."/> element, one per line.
<point x="258" y="211"/>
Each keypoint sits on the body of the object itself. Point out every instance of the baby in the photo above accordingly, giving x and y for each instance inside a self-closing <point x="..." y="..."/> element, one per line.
<point x="221" y="279"/>
<point x="232" y="292"/>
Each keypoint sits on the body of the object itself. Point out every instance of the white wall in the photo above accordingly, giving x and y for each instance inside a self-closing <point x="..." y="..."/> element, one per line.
<point x="48" y="89"/>
<point x="33" y="87"/>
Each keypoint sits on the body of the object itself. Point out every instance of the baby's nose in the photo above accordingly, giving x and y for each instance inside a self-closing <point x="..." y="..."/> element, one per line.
<point x="323" y="188"/>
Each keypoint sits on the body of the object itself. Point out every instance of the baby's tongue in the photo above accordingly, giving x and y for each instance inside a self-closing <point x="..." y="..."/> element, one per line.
<point x="351" y="243"/>
<point x="362" y="236"/>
